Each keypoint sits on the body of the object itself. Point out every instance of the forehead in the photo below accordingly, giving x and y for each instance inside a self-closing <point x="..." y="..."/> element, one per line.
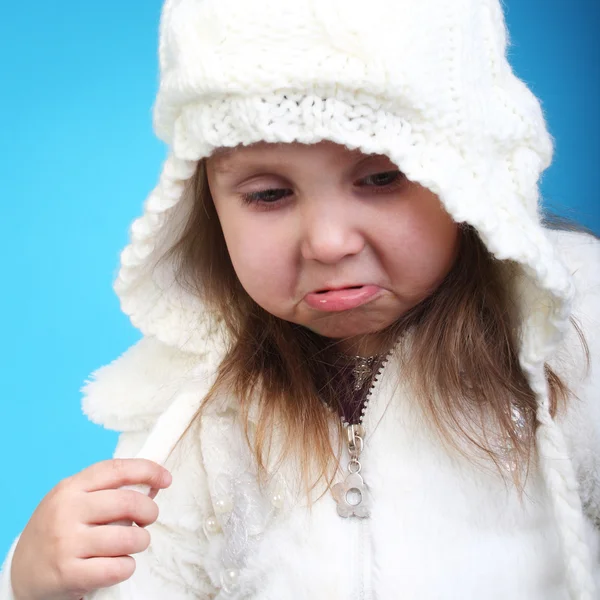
<point x="224" y="160"/>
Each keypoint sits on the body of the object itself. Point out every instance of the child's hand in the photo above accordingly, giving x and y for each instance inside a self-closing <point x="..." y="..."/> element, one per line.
<point x="69" y="547"/>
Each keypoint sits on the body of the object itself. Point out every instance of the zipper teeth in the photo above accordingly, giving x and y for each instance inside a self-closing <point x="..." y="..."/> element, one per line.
<point x="374" y="383"/>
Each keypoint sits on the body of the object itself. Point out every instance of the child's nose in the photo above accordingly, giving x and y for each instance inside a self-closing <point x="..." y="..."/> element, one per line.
<point x="329" y="234"/>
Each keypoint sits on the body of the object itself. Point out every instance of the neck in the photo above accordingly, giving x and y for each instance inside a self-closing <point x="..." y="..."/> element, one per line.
<point x="364" y="345"/>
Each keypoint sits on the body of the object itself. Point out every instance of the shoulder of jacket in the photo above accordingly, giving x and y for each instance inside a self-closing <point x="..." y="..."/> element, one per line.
<point x="581" y="254"/>
<point x="580" y="251"/>
<point x="581" y="420"/>
<point x="131" y="392"/>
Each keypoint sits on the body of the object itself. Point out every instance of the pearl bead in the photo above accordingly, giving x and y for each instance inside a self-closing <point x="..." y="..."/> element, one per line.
<point x="223" y="505"/>
<point x="230" y="580"/>
<point x="211" y="525"/>
<point x="277" y="500"/>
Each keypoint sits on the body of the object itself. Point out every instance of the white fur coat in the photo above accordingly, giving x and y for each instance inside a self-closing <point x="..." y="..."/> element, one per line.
<point x="441" y="528"/>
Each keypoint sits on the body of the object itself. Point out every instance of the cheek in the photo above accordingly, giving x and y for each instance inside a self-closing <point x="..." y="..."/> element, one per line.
<point x="423" y="245"/>
<point x="260" y="258"/>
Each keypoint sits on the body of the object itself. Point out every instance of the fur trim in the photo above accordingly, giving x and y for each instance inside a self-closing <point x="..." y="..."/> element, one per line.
<point x="131" y="392"/>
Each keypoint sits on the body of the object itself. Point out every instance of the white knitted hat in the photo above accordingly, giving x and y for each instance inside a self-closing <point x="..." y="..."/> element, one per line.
<point x="426" y="83"/>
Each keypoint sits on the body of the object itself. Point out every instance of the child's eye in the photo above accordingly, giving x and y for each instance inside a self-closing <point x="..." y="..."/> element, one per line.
<point x="382" y="180"/>
<point x="266" y="196"/>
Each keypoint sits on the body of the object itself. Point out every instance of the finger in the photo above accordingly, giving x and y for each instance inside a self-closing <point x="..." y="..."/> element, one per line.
<point x="142" y="489"/>
<point x="108" y="506"/>
<point x="118" y="472"/>
<point x="106" y="541"/>
<point x="100" y="572"/>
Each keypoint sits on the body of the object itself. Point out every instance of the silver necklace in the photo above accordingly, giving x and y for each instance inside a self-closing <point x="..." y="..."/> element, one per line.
<point x="362" y="368"/>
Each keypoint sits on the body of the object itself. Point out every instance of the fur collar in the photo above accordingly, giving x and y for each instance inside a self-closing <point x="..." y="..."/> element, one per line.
<point x="130" y="393"/>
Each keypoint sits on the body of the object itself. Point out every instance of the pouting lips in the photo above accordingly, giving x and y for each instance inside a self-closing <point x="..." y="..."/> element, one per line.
<point x="340" y="299"/>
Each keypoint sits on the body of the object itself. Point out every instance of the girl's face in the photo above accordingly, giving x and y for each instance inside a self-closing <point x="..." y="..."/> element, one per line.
<point x="332" y="239"/>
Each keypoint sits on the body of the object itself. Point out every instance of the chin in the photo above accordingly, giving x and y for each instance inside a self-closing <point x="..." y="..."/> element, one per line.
<point x="348" y="325"/>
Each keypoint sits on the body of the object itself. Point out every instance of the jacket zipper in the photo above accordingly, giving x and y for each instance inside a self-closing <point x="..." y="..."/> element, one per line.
<point x="354" y="484"/>
<point x="352" y="495"/>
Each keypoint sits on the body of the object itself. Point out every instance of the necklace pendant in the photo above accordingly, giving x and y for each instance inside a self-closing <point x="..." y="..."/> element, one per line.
<point x="352" y="497"/>
<point x="362" y="371"/>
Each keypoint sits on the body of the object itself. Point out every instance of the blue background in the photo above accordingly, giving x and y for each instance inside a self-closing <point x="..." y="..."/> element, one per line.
<point x="78" y="158"/>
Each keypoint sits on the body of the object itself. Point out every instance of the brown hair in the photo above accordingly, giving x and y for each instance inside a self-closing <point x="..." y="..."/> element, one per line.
<point x="463" y="364"/>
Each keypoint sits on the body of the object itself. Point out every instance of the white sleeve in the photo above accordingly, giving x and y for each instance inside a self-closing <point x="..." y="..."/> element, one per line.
<point x="6" y="591"/>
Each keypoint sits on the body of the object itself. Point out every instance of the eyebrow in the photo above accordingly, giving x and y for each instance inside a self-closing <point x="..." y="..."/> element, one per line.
<point x="221" y="156"/>
<point x="369" y="158"/>
<point x="225" y="163"/>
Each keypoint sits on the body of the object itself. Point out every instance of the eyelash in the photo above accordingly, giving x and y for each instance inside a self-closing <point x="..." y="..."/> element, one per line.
<point x="261" y="197"/>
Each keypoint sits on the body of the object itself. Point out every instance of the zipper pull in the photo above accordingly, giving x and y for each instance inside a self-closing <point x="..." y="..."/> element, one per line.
<point x="352" y="494"/>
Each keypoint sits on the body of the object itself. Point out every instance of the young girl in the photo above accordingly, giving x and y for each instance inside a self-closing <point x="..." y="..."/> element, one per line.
<point x="364" y="370"/>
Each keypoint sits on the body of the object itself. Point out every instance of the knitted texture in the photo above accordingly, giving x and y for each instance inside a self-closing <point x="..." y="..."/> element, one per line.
<point x="426" y="83"/>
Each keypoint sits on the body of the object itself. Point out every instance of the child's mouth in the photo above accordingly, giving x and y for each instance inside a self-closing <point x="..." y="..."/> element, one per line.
<point x="335" y="300"/>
